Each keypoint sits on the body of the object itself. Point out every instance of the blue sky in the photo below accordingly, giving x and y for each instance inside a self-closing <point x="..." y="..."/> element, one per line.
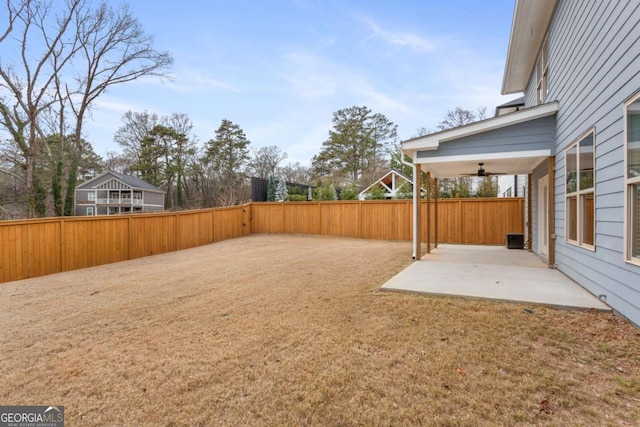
<point x="280" y="68"/>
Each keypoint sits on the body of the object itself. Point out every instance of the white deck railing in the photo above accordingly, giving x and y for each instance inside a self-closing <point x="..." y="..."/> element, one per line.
<point x="118" y="201"/>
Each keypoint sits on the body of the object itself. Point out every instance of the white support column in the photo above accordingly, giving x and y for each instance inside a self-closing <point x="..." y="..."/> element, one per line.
<point x="416" y="211"/>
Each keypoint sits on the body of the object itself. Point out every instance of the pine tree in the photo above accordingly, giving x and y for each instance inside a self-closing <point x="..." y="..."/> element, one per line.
<point x="349" y="192"/>
<point x="282" y="194"/>
<point x="358" y="143"/>
<point x="228" y="155"/>
<point x="271" y="189"/>
<point x="326" y="191"/>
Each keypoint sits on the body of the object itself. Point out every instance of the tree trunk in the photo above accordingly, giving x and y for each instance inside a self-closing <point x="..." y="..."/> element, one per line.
<point x="72" y="180"/>
<point x="179" y="190"/>
<point x="56" y="188"/>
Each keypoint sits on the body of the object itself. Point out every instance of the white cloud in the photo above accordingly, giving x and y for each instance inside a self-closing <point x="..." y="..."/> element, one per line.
<point x="310" y="77"/>
<point x="377" y="100"/>
<point x="398" y="38"/>
<point x="314" y="77"/>
<point x="208" y="82"/>
<point x="191" y="80"/>
<point x="115" y="105"/>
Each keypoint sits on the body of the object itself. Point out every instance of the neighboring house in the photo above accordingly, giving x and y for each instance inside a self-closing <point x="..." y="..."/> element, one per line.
<point x="112" y="193"/>
<point x="577" y="62"/>
<point x="511" y="185"/>
<point x="390" y="182"/>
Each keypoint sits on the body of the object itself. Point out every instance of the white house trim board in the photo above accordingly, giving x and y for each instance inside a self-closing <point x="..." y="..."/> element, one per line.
<point x="528" y="28"/>
<point x="433" y="141"/>
<point x="485" y="156"/>
<point x="543" y="217"/>
<point x="628" y="216"/>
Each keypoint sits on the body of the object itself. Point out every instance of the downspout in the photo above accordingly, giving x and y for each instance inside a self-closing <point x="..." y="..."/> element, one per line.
<point x="416" y="205"/>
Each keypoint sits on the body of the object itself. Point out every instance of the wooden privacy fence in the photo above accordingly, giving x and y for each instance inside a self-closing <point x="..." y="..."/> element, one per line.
<point x="31" y="248"/>
<point x="36" y="247"/>
<point x="467" y="221"/>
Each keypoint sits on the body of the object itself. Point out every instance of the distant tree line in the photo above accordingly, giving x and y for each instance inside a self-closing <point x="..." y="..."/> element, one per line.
<point x="73" y="53"/>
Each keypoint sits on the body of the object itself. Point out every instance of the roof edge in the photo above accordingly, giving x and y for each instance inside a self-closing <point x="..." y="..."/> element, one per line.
<point x="528" y="28"/>
<point x="432" y="141"/>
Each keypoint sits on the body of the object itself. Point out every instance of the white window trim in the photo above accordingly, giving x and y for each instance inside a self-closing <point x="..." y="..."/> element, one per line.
<point x="542" y="72"/>
<point x="90" y="208"/>
<point x="579" y="230"/>
<point x="628" y="182"/>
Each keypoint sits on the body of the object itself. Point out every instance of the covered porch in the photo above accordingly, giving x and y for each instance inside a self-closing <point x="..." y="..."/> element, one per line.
<point x="518" y="143"/>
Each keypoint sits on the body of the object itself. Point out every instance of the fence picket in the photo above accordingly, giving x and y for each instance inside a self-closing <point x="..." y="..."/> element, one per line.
<point x="36" y="247"/>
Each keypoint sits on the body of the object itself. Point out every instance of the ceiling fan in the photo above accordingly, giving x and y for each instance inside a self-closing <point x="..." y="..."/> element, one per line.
<point x="482" y="173"/>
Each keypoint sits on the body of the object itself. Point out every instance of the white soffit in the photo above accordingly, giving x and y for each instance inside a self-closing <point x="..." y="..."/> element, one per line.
<point x="530" y="22"/>
<point x="510" y="163"/>
<point x="432" y="141"/>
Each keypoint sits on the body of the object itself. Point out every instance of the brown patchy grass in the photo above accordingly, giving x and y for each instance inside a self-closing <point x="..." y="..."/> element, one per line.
<point x="292" y="330"/>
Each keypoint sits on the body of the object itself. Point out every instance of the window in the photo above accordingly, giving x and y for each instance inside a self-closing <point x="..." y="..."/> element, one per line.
<point x="579" y="186"/>
<point x="90" y="211"/>
<point x="632" y="179"/>
<point x="91" y="196"/>
<point x="542" y="72"/>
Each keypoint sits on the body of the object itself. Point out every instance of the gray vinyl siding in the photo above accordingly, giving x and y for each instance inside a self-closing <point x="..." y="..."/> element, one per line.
<point x="594" y="68"/>
<point x="82" y="196"/>
<point x="82" y="210"/>
<point x="530" y="93"/>
<point x="532" y="135"/>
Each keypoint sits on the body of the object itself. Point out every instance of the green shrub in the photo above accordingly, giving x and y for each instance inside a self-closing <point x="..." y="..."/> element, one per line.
<point x="349" y="192"/>
<point x="377" y="193"/>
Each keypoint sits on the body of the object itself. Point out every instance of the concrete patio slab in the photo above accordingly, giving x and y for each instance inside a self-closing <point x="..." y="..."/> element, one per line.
<point x="492" y="272"/>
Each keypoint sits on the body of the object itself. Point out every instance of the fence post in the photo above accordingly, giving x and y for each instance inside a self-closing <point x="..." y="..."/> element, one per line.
<point x="461" y="230"/>
<point x="361" y="220"/>
<point x="61" y="268"/>
<point x="175" y="232"/>
<point x="245" y="221"/>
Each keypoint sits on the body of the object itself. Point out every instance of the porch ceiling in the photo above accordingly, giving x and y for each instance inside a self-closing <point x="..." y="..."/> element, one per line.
<point x="505" y="163"/>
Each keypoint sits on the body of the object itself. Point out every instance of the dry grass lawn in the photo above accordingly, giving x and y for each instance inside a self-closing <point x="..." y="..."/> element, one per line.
<point x="292" y="330"/>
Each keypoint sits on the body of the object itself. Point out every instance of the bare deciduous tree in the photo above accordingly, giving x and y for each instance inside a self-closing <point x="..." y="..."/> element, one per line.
<point x="458" y="187"/>
<point x="68" y="56"/>
<point x="295" y="172"/>
<point x="461" y="116"/>
<point x="116" y="50"/>
<point x="28" y="85"/>
<point x="265" y="160"/>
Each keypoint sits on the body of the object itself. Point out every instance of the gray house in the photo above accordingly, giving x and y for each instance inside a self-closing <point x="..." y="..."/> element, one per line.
<point x="577" y="139"/>
<point x="112" y="193"/>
